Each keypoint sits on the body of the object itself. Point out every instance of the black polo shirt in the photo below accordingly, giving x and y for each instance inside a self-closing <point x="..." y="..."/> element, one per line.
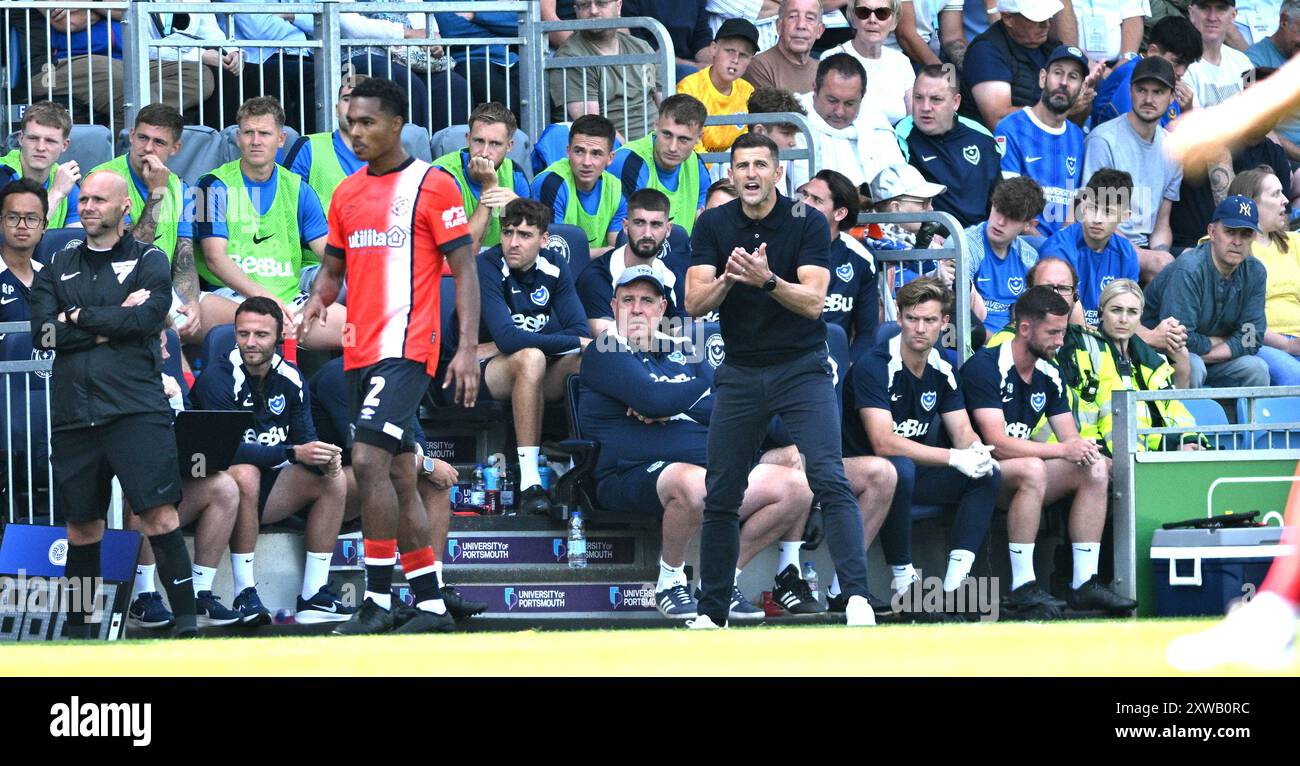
<point x="756" y="329"/>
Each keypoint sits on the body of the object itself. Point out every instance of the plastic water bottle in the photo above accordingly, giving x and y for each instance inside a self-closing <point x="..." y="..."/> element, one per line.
<point x="477" y="491"/>
<point x="577" y="542"/>
<point x="507" y="492"/>
<point x="545" y="472"/>
<point x="810" y="577"/>
<point x="492" y="474"/>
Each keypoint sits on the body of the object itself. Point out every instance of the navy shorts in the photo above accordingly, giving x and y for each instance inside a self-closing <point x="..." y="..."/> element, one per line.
<point x="447" y="397"/>
<point x="383" y="401"/>
<point x="633" y="489"/>
<point x="85" y="460"/>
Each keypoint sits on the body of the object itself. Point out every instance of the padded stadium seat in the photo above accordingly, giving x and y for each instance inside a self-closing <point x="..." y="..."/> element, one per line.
<point x="1208" y="412"/>
<point x="570" y="243"/>
<point x="455" y="137"/>
<point x="57" y="239"/>
<point x="1282" y="409"/>
<point x="441" y="404"/>
<point x="92" y="145"/>
<point x="202" y="151"/>
<point x="219" y="342"/>
<point x="415" y="140"/>
<point x="550" y="146"/>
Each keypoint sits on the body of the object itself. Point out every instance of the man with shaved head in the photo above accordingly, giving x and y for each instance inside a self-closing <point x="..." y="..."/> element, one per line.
<point x="102" y="305"/>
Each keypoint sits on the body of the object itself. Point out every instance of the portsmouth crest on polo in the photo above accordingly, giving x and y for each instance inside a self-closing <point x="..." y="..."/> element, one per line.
<point x="1037" y="400"/>
<point x="928" y="400"/>
<point x="972" y="154"/>
<point x="1016" y="285"/>
<point x="276" y="404"/>
<point x="845" y="272"/>
<point x="540" y="295"/>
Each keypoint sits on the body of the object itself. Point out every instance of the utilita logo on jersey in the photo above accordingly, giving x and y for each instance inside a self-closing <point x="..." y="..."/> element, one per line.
<point x="394" y="237"/>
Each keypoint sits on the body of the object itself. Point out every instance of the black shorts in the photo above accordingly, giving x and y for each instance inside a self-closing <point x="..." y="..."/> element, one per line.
<point x="447" y="397"/>
<point x="140" y="450"/>
<point x="383" y="400"/>
<point x="633" y="489"/>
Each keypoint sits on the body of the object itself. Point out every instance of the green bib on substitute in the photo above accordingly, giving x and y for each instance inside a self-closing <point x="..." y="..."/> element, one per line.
<point x="453" y="163"/>
<point x="324" y="177"/>
<point x="684" y="202"/>
<point x="269" y="251"/>
<point x="595" y="226"/>
<point x="58" y="215"/>
<point x="169" y="215"/>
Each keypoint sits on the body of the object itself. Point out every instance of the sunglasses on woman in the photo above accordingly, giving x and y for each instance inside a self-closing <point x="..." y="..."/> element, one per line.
<point x="882" y="13"/>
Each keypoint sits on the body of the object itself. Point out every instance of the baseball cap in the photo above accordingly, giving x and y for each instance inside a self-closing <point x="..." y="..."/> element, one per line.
<point x="903" y="180"/>
<point x="1034" y="10"/>
<point x="741" y="28"/>
<point x="1071" y="53"/>
<point x="634" y="273"/>
<point x="1233" y="3"/>
<point x="1154" y="68"/>
<point x="1237" y="212"/>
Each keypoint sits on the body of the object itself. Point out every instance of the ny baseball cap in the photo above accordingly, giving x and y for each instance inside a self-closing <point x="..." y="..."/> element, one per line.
<point x="1154" y="68"/>
<point x="634" y="273"/>
<point x="1034" y="10"/>
<point x="741" y="28"/>
<point x="1237" y="212"/>
<point x="903" y="180"/>
<point x="1069" y="53"/>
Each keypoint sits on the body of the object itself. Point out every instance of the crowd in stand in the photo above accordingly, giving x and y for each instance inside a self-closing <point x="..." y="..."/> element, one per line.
<point x="1095" y="263"/>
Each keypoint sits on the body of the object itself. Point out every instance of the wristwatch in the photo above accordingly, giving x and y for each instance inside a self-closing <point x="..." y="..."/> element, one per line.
<point x="289" y="454"/>
<point x="428" y="466"/>
<point x="770" y="284"/>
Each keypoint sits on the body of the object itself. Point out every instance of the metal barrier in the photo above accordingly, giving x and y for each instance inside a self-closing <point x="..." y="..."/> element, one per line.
<point x="954" y="249"/>
<point x="1131" y="522"/>
<point x="807" y="152"/>
<point x="540" y="86"/>
<point x="19" y="404"/>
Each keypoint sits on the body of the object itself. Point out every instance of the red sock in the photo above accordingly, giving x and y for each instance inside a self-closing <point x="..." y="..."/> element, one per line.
<point x="380" y="555"/>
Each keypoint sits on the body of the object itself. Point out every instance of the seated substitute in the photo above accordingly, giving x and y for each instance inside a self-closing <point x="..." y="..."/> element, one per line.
<point x="666" y="160"/>
<point x="646" y="399"/>
<point x="647" y="227"/>
<point x="579" y="191"/>
<point x="852" y="299"/>
<point x="42" y="138"/>
<point x="531" y="333"/>
<point x="281" y="467"/>
<point x="487" y="177"/>
<point x="322" y="160"/>
<point x="998" y="258"/>
<point x="895" y="393"/>
<point x="1009" y="390"/>
<point x="330" y="415"/>
<point x="256" y="220"/>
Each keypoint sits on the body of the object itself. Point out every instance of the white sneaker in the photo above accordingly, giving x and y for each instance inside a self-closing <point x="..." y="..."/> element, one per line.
<point x="703" y="622"/>
<point x="1260" y="634"/>
<point x="858" y="613"/>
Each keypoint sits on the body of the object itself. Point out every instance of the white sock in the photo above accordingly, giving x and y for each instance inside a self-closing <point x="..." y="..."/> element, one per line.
<point x="789" y="555"/>
<point x="241" y="568"/>
<point x="1086" y="556"/>
<point x="737" y="580"/>
<point x="435" y="605"/>
<point x="143" y="580"/>
<point x="528" y="476"/>
<point x="203" y="577"/>
<point x="382" y="600"/>
<point x="437" y="571"/>
<point x="1022" y="563"/>
<point x="834" y="590"/>
<point x="959" y="565"/>
<point x="904" y="576"/>
<point x="670" y="575"/>
<point x="316" y="573"/>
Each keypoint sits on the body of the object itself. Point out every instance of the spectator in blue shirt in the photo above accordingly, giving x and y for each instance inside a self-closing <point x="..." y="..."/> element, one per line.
<point x="1001" y="65"/>
<point x="1173" y="39"/>
<point x="998" y="259"/>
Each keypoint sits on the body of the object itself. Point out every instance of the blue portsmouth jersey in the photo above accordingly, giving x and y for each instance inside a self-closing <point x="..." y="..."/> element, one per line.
<point x="675" y="383"/>
<point x="1053" y="158"/>
<point x="880" y="380"/>
<point x="1000" y="281"/>
<point x="16" y="306"/>
<point x="1119" y="260"/>
<point x="989" y="380"/>
<point x="596" y="283"/>
<point x="851" y="298"/>
<point x="535" y="308"/>
<point x="280" y="404"/>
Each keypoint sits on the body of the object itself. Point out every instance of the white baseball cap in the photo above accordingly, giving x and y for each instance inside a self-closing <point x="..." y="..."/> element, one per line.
<point x="1034" y="10"/>
<point x="903" y="180"/>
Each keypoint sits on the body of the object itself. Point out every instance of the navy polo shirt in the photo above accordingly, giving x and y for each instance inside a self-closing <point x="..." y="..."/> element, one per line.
<point x="966" y="159"/>
<point x="756" y="329"/>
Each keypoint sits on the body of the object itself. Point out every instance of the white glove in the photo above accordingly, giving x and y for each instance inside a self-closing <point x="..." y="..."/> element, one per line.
<point x="971" y="462"/>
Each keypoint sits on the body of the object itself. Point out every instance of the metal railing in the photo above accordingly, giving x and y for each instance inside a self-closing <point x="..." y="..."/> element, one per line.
<point x="545" y="112"/>
<point x="806" y="153"/>
<point x="26" y="476"/>
<point x="954" y="249"/>
<point x="1127" y="437"/>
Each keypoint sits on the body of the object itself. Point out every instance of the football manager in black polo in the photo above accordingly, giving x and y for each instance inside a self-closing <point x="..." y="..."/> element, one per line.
<point x="761" y="261"/>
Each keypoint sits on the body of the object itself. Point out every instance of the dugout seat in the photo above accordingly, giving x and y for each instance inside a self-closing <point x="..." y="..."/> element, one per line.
<point x="1208" y="412"/>
<point x="415" y="140"/>
<point x="456" y="137"/>
<point x="1280" y="410"/>
<point x="440" y="406"/>
<point x="92" y="145"/>
<point x="57" y="239"/>
<point x="569" y="242"/>
<point x="202" y="150"/>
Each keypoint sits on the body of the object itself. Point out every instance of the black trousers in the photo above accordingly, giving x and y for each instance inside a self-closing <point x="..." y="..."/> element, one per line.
<point x="745" y="399"/>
